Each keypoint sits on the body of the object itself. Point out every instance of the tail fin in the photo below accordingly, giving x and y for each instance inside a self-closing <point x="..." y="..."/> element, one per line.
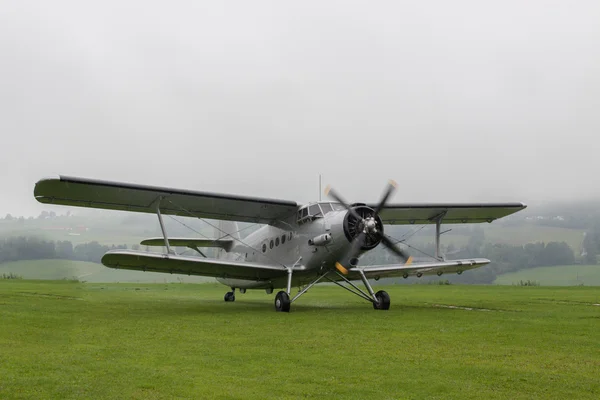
<point x="227" y="230"/>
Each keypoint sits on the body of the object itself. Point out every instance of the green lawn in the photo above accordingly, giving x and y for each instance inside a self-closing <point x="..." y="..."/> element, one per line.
<point x="151" y="341"/>
<point x="567" y="275"/>
<point x="88" y="272"/>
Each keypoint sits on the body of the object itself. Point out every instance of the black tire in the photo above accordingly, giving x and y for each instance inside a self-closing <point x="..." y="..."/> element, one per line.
<point x="383" y="301"/>
<point x="282" y="302"/>
<point x="229" y="296"/>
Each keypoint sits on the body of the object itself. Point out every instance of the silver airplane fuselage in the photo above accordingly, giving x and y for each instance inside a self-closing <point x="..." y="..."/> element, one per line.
<point x="293" y="247"/>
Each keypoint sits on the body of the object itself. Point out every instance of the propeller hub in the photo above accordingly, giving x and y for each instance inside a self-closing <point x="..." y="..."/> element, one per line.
<point x="368" y="223"/>
<point x="364" y="229"/>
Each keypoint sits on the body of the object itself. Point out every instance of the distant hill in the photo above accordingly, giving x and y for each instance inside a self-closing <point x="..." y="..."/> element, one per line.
<point x="89" y="272"/>
<point x="568" y="275"/>
<point x="520" y="234"/>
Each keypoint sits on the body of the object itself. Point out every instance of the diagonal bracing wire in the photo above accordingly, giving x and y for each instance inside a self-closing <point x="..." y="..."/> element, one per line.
<point x="403" y="241"/>
<point x="213" y="240"/>
<point x="227" y="234"/>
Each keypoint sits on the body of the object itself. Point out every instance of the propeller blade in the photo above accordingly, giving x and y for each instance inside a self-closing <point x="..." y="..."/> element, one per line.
<point x="359" y="240"/>
<point x="332" y="193"/>
<point x="393" y="248"/>
<point x="392" y="185"/>
<point x="357" y="243"/>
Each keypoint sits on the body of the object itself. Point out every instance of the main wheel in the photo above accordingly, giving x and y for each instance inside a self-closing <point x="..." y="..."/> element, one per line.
<point x="229" y="296"/>
<point x="383" y="301"/>
<point x="282" y="302"/>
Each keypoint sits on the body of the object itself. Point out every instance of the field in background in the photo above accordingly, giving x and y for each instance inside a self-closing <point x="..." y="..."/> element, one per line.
<point x="130" y="229"/>
<point x="567" y="275"/>
<point x="72" y="340"/>
<point x="88" y="272"/>
<point x="512" y="235"/>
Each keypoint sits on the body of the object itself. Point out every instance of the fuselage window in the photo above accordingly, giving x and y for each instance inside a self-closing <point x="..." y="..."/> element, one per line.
<point x="277" y="242"/>
<point x="290" y="235"/>
<point x="283" y="239"/>
<point x="271" y="244"/>
<point x="264" y="248"/>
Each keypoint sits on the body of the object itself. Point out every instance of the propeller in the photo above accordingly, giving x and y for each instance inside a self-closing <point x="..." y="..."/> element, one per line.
<point x="368" y="224"/>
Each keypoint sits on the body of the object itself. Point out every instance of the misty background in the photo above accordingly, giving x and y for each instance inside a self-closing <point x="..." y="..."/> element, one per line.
<point x="457" y="101"/>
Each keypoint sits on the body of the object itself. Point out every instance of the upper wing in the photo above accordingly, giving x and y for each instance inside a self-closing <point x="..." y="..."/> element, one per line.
<point x="436" y="267"/>
<point x="141" y="261"/>
<point x="92" y="193"/>
<point x="399" y="214"/>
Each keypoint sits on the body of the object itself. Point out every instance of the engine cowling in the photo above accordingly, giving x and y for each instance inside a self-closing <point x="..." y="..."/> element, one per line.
<point x="353" y="226"/>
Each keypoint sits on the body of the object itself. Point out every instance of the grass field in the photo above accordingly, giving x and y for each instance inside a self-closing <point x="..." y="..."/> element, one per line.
<point x="133" y="341"/>
<point x="567" y="275"/>
<point x="88" y="272"/>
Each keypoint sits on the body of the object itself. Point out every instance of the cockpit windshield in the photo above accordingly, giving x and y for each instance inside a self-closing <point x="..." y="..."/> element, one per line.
<point x="338" y="207"/>
<point x="326" y="207"/>
<point x="317" y="210"/>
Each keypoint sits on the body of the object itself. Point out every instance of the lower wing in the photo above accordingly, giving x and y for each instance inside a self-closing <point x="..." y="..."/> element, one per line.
<point x="418" y="269"/>
<point x="143" y="261"/>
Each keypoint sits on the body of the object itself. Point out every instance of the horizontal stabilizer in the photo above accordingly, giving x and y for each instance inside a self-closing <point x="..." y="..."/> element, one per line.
<point x="225" y="244"/>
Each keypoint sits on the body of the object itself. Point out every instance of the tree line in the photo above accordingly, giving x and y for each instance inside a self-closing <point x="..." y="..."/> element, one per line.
<point x="509" y="258"/>
<point x="19" y="248"/>
<point x="591" y="244"/>
<point x="504" y="257"/>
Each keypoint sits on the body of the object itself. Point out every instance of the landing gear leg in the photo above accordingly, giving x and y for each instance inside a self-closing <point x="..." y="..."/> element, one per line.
<point x="381" y="300"/>
<point x="230" y="296"/>
<point x="282" y="299"/>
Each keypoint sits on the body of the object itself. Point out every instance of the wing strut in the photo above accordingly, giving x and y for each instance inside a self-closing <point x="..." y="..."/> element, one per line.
<point x="438" y="223"/>
<point x="162" y="226"/>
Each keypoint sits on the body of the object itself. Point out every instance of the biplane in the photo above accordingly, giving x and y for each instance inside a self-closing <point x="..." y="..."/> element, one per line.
<point x="296" y="245"/>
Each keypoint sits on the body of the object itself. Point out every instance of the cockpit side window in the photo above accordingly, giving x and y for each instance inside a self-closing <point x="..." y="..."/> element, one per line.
<point x="315" y="211"/>
<point x="304" y="212"/>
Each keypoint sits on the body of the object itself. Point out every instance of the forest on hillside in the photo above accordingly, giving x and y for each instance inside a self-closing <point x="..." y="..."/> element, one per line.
<point x="27" y="239"/>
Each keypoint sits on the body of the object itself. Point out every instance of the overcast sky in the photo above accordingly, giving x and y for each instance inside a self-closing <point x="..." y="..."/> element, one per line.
<point x="455" y="100"/>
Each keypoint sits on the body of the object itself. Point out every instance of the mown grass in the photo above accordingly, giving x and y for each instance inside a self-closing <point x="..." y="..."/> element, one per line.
<point x="73" y="340"/>
<point x="566" y="275"/>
